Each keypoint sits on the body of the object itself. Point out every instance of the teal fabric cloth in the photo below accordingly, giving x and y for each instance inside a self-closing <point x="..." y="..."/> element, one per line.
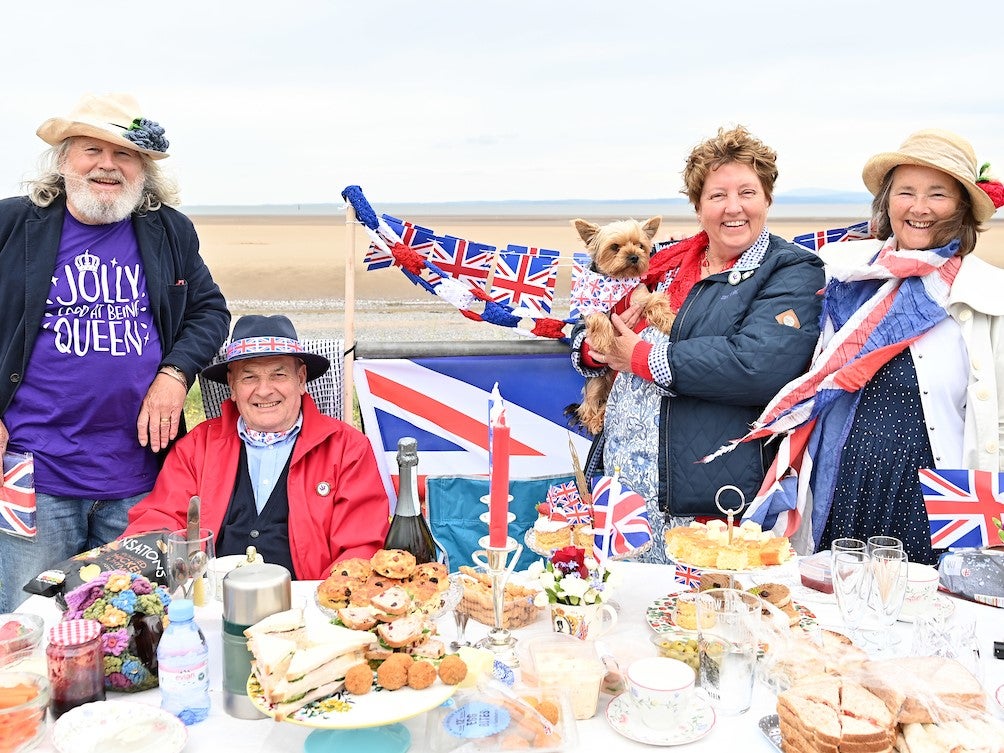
<point x="455" y="507"/>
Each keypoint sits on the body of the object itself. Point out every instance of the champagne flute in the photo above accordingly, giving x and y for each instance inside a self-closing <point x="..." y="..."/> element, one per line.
<point x="851" y="586"/>
<point x="874" y="542"/>
<point x="889" y="576"/>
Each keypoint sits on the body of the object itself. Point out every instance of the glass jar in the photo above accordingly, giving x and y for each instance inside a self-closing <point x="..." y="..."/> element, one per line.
<point x="76" y="665"/>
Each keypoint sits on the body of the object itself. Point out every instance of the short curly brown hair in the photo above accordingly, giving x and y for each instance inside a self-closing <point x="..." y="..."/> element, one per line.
<point x="733" y="145"/>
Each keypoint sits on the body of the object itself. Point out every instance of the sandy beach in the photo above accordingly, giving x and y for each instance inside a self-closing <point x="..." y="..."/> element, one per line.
<point x="296" y="265"/>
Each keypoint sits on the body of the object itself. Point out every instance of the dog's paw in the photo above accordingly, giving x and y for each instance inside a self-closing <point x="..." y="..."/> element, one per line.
<point x="658" y="313"/>
<point x="600" y="332"/>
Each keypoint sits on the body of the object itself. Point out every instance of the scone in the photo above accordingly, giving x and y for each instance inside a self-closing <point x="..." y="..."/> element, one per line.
<point x="393" y="563"/>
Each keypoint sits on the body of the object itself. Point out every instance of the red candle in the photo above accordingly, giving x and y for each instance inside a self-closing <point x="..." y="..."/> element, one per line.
<point x="498" y="498"/>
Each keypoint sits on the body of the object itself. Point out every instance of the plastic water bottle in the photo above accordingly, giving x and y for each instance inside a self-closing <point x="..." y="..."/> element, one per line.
<point x="183" y="665"/>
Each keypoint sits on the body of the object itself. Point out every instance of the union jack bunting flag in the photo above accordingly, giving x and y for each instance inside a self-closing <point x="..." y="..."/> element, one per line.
<point x="462" y="260"/>
<point x="620" y="519"/>
<point x="17" y="500"/>
<point x="964" y="507"/>
<point x="815" y="241"/>
<point x="525" y="277"/>
<point x="417" y="237"/>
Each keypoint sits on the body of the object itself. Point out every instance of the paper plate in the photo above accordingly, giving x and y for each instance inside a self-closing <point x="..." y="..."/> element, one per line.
<point x="342" y="710"/>
<point x="118" y="726"/>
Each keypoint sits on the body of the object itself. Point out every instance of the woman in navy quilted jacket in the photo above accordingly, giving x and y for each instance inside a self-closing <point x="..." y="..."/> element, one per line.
<point x="747" y="309"/>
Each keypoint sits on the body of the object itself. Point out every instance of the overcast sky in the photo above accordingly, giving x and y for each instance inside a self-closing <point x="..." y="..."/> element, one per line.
<point x="444" y="100"/>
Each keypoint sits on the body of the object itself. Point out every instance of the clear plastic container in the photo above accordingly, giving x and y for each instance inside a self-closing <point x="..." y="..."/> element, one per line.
<point x="493" y="718"/>
<point x="815" y="572"/>
<point x="561" y="661"/>
<point x="24" y="698"/>
<point x="20" y="642"/>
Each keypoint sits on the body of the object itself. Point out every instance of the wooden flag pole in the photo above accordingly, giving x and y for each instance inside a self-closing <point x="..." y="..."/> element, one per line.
<point x="350" y="310"/>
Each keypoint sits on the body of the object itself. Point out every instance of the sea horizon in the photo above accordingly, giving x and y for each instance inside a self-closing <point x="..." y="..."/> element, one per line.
<point x="791" y="206"/>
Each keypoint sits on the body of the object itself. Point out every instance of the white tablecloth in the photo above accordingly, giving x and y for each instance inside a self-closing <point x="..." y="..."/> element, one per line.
<point x="641" y="585"/>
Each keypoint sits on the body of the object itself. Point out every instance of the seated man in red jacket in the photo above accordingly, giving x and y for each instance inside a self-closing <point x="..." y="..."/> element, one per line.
<point x="273" y="471"/>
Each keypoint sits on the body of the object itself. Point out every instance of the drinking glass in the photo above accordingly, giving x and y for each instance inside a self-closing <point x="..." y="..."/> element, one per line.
<point x="889" y="576"/>
<point x="728" y="639"/>
<point x="190" y="564"/>
<point x="852" y="585"/>
<point x="874" y="542"/>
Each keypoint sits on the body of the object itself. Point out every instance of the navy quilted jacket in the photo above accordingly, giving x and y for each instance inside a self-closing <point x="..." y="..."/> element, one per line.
<point x="732" y="348"/>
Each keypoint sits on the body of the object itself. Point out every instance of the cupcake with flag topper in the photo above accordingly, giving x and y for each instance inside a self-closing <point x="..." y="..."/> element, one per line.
<point x="563" y="519"/>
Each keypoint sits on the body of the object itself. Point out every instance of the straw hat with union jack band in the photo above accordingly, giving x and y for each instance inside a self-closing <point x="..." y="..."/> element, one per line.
<point x="258" y="336"/>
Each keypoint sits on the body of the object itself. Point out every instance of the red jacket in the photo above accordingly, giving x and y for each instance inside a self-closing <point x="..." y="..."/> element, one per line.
<point x="351" y="520"/>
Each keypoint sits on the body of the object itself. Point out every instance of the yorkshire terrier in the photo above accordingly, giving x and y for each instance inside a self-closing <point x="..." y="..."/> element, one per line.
<point x="620" y="250"/>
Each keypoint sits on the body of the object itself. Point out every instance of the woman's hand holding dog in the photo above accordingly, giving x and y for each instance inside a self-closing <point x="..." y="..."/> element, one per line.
<point x="618" y="356"/>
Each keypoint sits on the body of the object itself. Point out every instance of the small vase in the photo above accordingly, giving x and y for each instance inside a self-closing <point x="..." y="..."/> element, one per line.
<point x="583" y="621"/>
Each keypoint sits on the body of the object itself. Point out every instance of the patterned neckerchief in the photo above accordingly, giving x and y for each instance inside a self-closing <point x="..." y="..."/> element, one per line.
<point x="257" y="438"/>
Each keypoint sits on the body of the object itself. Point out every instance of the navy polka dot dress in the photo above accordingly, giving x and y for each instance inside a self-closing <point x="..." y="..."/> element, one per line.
<point x="877" y="489"/>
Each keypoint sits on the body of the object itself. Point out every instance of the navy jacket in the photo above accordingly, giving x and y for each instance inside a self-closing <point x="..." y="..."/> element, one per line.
<point x="729" y="354"/>
<point x="188" y="308"/>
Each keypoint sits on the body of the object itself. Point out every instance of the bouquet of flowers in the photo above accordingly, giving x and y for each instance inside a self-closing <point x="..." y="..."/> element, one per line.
<point x="132" y="611"/>
<point x="571" y="577"/>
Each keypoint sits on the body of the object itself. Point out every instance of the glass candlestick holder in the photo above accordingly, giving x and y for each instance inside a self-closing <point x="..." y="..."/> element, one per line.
<point x="499" y="562"/>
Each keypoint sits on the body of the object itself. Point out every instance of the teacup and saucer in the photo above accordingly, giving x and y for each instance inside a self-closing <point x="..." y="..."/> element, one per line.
<point x="661" y="705"/>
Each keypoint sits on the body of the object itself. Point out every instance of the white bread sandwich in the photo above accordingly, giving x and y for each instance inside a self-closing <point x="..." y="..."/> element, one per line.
<point x="272" y="655"/>
<point x="312" y="673"/>
<point x="288" y="624"/>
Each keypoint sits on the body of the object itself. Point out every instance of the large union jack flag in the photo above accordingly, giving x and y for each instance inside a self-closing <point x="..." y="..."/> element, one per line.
<point x="964" y="507"/>
<point x="815" y="241"/>
<point x="462" y="260"/>
<point x="525" y="278"/>
<point x="17" y="502"/>
<point x="620" y="519"/>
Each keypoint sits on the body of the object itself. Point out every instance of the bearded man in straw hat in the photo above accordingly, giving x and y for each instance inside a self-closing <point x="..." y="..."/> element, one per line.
<point x="110" y="312"/>
<point x="272" y="471"/>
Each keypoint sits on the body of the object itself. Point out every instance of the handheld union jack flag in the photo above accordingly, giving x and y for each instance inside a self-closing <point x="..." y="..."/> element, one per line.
<point x="620" y="520"/>
<point x="525" y="278"/>
<point x="815" y="241"/>
<point x="964" y="507"/>
<point x="17" y="497"/>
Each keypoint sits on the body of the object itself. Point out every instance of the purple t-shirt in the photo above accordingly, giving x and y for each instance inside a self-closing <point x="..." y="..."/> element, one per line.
<point x="96" y="354"/>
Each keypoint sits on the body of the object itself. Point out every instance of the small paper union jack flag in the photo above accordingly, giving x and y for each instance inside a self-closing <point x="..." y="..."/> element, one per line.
<point x="562" y="494"/>
<point x="525" y="280"/>
<point x="964" y="507"/>
<point x="687" y="575"/>
<point x="620" y="519"/>
<point x="815" y="241"/>
<point x="17" y="498"/>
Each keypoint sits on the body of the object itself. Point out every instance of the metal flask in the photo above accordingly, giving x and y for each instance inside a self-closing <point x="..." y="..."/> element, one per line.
<point x="251" y="593"/>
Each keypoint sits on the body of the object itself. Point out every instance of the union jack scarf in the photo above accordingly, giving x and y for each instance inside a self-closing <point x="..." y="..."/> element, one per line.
<point x="874" y="311"/>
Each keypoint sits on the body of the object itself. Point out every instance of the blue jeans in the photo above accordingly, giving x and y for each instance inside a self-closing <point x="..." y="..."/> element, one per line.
<point x="66" y="526"/>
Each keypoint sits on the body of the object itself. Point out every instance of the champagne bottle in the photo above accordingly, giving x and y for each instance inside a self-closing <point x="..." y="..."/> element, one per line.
<point x="408" y="529"/>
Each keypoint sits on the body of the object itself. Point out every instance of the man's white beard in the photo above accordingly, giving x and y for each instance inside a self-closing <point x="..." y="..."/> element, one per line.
<point x="96" y="208"/>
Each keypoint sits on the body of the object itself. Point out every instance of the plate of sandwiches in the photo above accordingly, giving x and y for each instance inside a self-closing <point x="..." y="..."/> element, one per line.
<point x="307" y="673"/>
<point x="707" y="546"/>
